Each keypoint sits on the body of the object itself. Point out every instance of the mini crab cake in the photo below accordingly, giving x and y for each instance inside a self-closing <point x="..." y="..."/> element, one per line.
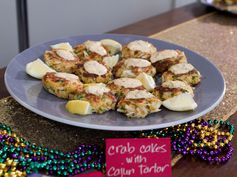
<point x="91" y="50"/>
<point x="63" y="85"/>
<point x="120" y="87"/>
<point x="164" y="59"/>
<point x="61" y="60"/>
<point x="170" y="89"/>
<point x="138" y="49"/>
<point x="100" y="97"/>
<point x="183" y="72"/>
<point x="91" y="71"/>
<point x="138" y="104"/>
<point x="132" y="67"/>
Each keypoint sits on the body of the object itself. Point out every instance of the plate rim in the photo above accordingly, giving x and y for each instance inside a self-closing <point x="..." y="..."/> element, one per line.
<point x="112" y="127"/>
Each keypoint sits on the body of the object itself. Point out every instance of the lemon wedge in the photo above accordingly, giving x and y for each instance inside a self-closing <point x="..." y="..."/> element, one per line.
<point x="111" y="61"/>
<point x="182" y="102"/>
<point x="79" y="107"/>
<point x="113" y="46"/>
<point x="38" y="69"/>
<point x="147" y="81"/>
<point x="62" y="46"/>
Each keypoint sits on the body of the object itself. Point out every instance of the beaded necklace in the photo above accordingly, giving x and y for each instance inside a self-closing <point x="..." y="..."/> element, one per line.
<point x="198" y="138"/>
<point x="26" y="158"/>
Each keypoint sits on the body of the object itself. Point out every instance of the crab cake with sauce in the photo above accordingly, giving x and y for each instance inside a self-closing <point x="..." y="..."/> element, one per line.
<point x="100" y="97"/>
<point x="120" y="87"/>
<point x="138" y="104"/>
<point x="132" y="67"/>
<point x="61" y="58"/>
<point x="183" y="72"/>
<point x="138" y="49"/>
<point x="164" y="59"/>
<point x="92" y="71"/>
<point x="91" y="50"/>
<point x="170" y="89"/>
<point x="63" y="85"/>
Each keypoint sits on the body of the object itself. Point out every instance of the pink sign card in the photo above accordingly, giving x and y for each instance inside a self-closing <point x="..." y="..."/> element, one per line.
<point x="134" y="157"/>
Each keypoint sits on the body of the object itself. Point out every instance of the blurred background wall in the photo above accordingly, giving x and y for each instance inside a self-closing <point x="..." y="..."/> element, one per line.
<point x="50" y="19"/>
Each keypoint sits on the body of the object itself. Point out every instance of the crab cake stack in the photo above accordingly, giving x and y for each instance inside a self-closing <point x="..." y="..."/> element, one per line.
<point x="61" y="58"/>
<point x="92" y="71"/>
<point x="63" y="85"/>
<point x="176" y="90"/>
<point x="99" y="96"/>
<point x="164" y="59"/>
<point x="91" y="50"/>
<point x="132" y="67"/>
<point x="120" y="87"/>
<point x="138" y="49"/>
<point x="170" y="89"/>
<point x="183" y="72"/>
<point x="138" y="104"/>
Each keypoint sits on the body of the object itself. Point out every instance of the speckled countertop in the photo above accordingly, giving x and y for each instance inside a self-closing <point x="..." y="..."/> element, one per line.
<point x="215" y="37"/>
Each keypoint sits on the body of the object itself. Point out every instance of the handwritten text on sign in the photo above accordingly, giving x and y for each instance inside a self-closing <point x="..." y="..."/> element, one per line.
<point x="132" y="157"/>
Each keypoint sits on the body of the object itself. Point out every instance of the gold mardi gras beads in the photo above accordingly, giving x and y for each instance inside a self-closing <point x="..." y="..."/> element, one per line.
<point x="8" y="169"/>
